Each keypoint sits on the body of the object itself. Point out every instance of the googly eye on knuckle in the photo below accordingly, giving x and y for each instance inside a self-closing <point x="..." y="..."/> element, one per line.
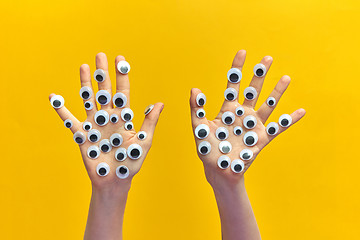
<point x="94" y="135"/>
<point x="250" y="122"/>
<point x="88" y="105"/>
<point x="93" y="152"/>
<point x="237" y="166"/>
<point x="134" y="151"/>
<point x="234" y="75"/>
<point x="79" y="137"/>
<point x="128" y="126"/>
<point x="272" y="128"/>
<point x="230" y="94"/>
<point x="142" y="135"/>
<point x="200" y="99"/>
<point x="225" y="147"/>
<point x="127" y="114"/>
<point x="250" y="93"/>
<point x="99" y="75"/>
<point x="101" y="117"/>
<point x="57" y="101"/>
<point x="102" y="169"/>
<point x="271" y="101"/>
<point x="200" y="113"/>
<point x="222" y="133"/>
<point x="223" y="162"/>
<point x="204" y="148"/>
<point x="86" y="93"/>
<point x="259" y="70"/>
<point x="202" y="131"/>
<point x="122" y="172"/>
<point x="123" y="67"/>
<point x="239" y="111"/>
<point x="246" y="154"/>
<point x="87" y="126"/>
<point x="103" y="97"/>
<point x="285" y="120"/>
<point x="148" y="109"/>
<point x="105" y="146"/>
<point x="119" y="100"/>
<point x="238" y="130"/>
<point x="114" y="118"/>
<point x="116" y="139"/>
<point x="68" y="123"/>
<point x="228" y="118"/>
<point x="120" y="154"/>
<point x="250" y="138"/>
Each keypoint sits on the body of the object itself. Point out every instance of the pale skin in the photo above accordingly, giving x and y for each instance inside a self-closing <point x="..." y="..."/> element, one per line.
<point x="237" y="218"/>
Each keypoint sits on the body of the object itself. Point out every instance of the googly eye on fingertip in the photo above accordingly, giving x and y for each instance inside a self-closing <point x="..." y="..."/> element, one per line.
<point x="223" y="162"/>
<point x="285" y="120"/>
<point x="234" y="75"/>
<point x="259" y="70"/>
<point x="204" y="147"/>
<point x="116" y="139"/>
<point x="119" y="100"/>
<point x="105" y="146"/>
<point x="250" y="138"/>
<point x="246" y="154"/>
<point x="103" y="97"/>
<point x="230" y="94"/>
<point x="200" y="99"/>
<point x="237" y="166"/>
<point x="68" y="123"/>
<point x="228" y="118"/>
<point x="94" y="135"/>
<point x="57" y="101"/>
<point x="271" y="101"/>
<point x="141" y="135"/>
<point x="101" y="117"/>
<point x="250" y="122"/>
<point x="134" y="151"/>
<point x="102" y="169"/>
<point x="114" y="118"/>
<point x="123" y="67"/>
<point x="222" y="133"/>
<point x="79" y="137"/>
<point x="128" y="126"/>
<point x="122" y="172"/>
<point x="239" y="111"/>
<point x="88" y="105"/>
<point x="272" y="128"/>
<point x="225" y="147"/>
<point x="99" y="75"/>
<point x="93" y="152"/>
<point x="202" y="131"/>
<point x="120" y="154"/>
<point x="127" y="114"/>
<point x="238" y="130"/>
<point x="86" y="93"/>
<point x="87" y="126"/>
<point x="200" y="113"/>
<point x="148" y="109"/>
<point x="250" y="93"/>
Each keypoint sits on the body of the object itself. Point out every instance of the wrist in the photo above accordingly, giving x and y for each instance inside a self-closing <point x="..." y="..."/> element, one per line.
<point x="113" y="191"/>
<point x="229" y="187"/>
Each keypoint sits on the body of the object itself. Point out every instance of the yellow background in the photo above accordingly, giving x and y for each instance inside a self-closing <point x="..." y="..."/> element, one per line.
<point x="305" y="185"/>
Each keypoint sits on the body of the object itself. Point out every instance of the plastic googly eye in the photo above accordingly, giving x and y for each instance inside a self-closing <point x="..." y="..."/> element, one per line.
<point x="94" y="135"/>
<point x="200" y="99"/>
<point x="103" y="97"/>
<point x="200" y="113"/>
<point x="234" y="75"/>
<point x="134" y="151"/>
<point x="246" y="154"/>
<point x="250" y="93"/>
<point x="239" y="111"/>
<point x="99" y="75"/>
<point x="230" y="94"/>
<point x="223" y="162"/>
<point x="142" y="135"/>
<point x="285" y="120"/>
<point x="272" y="128"/>
<point x="86" y="93"/>
<point x="105" y="146"/>
<point x="68" y="123"/>
<point x="250" y="138"/>
<point x="237" y="166"/>
<point x="204" y="148"/>
<point x="88" y="105"/>
<point x="127" y="114"/>
<point x="225" y="147"/>
<point x="93" y="152"/>
<point x="57" y="101"/>
<point x="250" y="122"/>
<point x="271" y="101"/>
<point x="148" y="109"/>
<point x="101" y="117"/>
<point x="114" y="118"/>
<point x="202" y="131"/>
<point x="102" y="169"/>
<point x="79" y="138"/>
<point x="222" y="133"/>
<point x="123" y="67"/>
<point x="228" y="118"/>
<point x="128" y="126"/>
<point x="120" y="154"/>
<point x="122" y="172"/>
<point x="87" y="126"/>
<point x="238" y="130"/>
<point x="119" y="100"/>
<point x="259" y="70"/>
<point x="116" y="140"/>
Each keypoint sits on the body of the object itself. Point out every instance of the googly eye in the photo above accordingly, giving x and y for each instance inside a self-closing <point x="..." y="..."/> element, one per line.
<point x="123" y="67"/>
<point x="79" y="138"/>
<point x="102" y="169"/>
<point x="230" y="94"/>
<point x="239" y="111"/>
<point x="116" y="139"/>
<point x="93" y="152"/>
<point x="237" y="166"/>
<point x="94" y="135"/>
<point x="99" y="75"/>
<point x="114" y="118"/>
<point x="250" y="93"/>
<point x="285" y="120"/>
<point x="204" y="148"/>
<point x="222" y="133"/>
<point x="57" y="101"/>
<point x="228" y="118"/>
<point x="87" y="126"/>
<point x="225" y="147"/>
<point x="88" y="105"/>
<point x="148" y="109"/>
<point x="271" y="101"/>
<point x="101" y="117"/>
<point x="200" y="99"/>
<point x="202" y="131"/>
<point x="122" y="172"/>
<point x="68" y="123"/>
<point x="223" y="162"/>
<point x="238" y="130"/>
<point x="141" y="135"/>
<point x="119" y="100"/>
<point x="250" y="122"/>
<point x="250" y="138"/>
<point x="234" y="75"/>
<point x="272" y="128"/>
<point x="259" y="70"/>
<point x="120" y="154"/>
<point x="134" y="151"/>
<point x="128" y="126"/>
<point x="246" y="154"/>
<point x="103" y="97"/>
<point x="105" y="146"/>
<point x="200" y="113"/>
<point x="86" y="93"/>
<point x="127" y="114"/>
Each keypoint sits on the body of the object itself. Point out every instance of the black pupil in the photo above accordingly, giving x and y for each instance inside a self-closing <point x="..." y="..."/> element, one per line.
<point x="92" y="153"/>
<point x="239" y="112"/>
<point x="237" y="167"/>
<point x="135" y="153"/>
<point x="79" y="140"/>
<point x="202" y="133"/>
<point x="284" y="122"/>
<point x="259" y="72"/>
<point x="201" y="101"/>
<point x="250" y="140"/>
<point x="127" y="116"/>
<point x="113" y="119"/>
<point x="228" y="120"/>
<point x="116" y="141"/>
<point x="271" y="102"/>
<point x="87" y="127"/>
<point x="246" y="156"/>
<point x="119" y="102"/>
<point x="57" y="103"/>
<point x="122" y="170"/>
<point x="222" y="135"/>
<point x="234" y="77"/>
<point x="224" y="164"/>
<point x="230" y="96"/>
<point x="250" y="123"/>
<point x="93" y="138"/>
<point x="271" y="130"/>
<point x="249" y="96"/>
<point x="129" y="127"/>
<point x="102" y="99"/>
<point x="68" y="124"/>
<point x="105" y="148"/>
<point x="203" y="150"/>
<point x="87" y="105"/>
<point x="102" y="171"/>
<point x="85" y="95"/>
<point x="141" y="136"/>
<point x="201" y="114"/>
<point x="99" y="77"/>
<point x="120" y="156"/>
<point x="100" y="120"/>
<point x="238" y="131"/>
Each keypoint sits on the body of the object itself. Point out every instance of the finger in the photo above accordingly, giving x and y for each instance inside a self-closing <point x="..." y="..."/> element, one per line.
<point x="257" y="82"/>
<point x="85" y="79"/>
<point x="151" y="119"/>
<point x="102" y="63"/>
<point x="266" y="109"/>
<point x="196" y="109"/>
<point x="122" y="81"/>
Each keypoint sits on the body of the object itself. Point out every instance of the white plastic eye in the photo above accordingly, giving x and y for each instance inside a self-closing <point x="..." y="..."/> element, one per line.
<point x="259" y="70"/>
<point x="68" y="123"/>
<point x="271" y="101"/>
<point x="202" y="131"/>
<point x="200" y="113"/>
<point x="120" y="154"/>
<point x="228" y="118"/>
<point x="128" y="126"/>
<point x="119" y="100"/>
<point x="200" y="99"/>
<point x="230" y="94"/>
<point x="114" y="118"/>
<point x="223" y="162"/>
<point x="238" y="130"/>
<point x="222" y="133"/>
<point x="86" y="93"/>
<point x="285" y="120"/>
<point x="234" y="75"/>
<point x="142" y="135"/>
<point x="123" y="67"/>
<point x="239" y="111"/>
<point x="122" y="172"/>
<point x="105" y="145"/>
<point x="250" y="93"/>
<point x="250" y="138"/>
<point x="127" y="114"/>
<point x="94" y="135"/>
<point x="116" y="140"/>
<point x="102" y="169"/>
<point x="103" y="97"/>
<point x="57" y="101"/>
<point x="87" y="126"/>
<point x="99" y="75"/>
<point x="79" y="138"/>
<point x="134" y="151"/>
<point x="93" y="152"/>
<point x="101" y="117"/>
<point x="88" y="105"/>
<point x="246" y="154"/>
<point x="225" y="147"/>
<point x="250" y="122"/>
<point x="148" y="109"/>
<point x="237" y="166"/>
<point x="272" y="128"/>
<point x="204" y="148"/>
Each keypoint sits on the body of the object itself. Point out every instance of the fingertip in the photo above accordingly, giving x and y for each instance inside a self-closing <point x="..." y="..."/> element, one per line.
<point x="285" y="79"/>
<point x="84" y="67"/>
<point x="302" y="111"/>
<point x="100" y="55"/>
<point x="241" y="52"/>
<point x="268" y="59"/>
<point x="51" y="95"/>
<point x="119" y="58"/>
